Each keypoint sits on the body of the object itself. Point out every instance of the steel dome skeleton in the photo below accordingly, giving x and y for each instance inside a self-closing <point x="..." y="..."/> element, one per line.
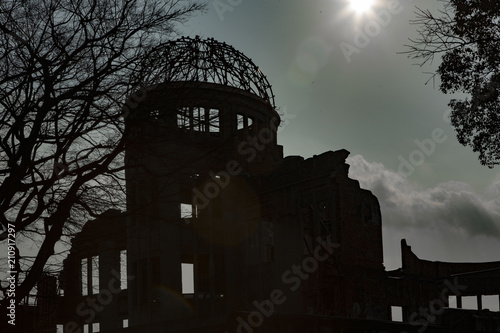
<point x="207" y="60"/>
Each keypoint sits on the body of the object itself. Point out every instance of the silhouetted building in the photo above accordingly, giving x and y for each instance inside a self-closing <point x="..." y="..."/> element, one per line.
<point x="223" y="233"/>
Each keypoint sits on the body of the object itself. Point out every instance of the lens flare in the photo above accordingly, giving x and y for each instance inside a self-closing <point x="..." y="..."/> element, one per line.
<point x="361" y="6"/>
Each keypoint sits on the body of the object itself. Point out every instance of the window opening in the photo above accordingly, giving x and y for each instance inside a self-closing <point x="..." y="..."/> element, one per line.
<point x="187" y="270"/>
<point x="187" y="210"/>
<point x="84" y="270"/>
<point x="199" y="119"/>
<point x="396" y="313"/>
<point x="240" y="121"/>
<point x="123" y="269"/>
<point x="213" y="121"/>
<point x="491" y="302"/>
<point x="183" y="118"/>
<point x="452" y="301"/>
<point x="94" y="270"/>
<point x="469" y="302"/>
<point x="250" y="122"/>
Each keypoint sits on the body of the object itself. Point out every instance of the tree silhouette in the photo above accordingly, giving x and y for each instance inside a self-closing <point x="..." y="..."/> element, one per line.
<point x="466" y="34"/>
<point x="66" y="69"/>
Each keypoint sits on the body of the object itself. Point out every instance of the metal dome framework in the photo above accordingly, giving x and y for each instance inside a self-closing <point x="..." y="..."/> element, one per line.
<point x="207" y="60"/>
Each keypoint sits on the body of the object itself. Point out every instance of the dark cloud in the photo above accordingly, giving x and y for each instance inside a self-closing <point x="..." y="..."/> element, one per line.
<point x="453" y="205"/>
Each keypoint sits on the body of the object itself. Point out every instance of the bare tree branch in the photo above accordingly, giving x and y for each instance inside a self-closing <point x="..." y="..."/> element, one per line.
<point x="66" y="68"/>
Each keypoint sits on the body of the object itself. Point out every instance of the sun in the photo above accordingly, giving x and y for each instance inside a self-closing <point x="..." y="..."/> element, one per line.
<point x="361" y="6"/>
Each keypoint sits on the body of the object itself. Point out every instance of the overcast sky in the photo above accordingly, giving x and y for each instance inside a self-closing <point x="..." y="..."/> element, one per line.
<point x="340" y="91"/>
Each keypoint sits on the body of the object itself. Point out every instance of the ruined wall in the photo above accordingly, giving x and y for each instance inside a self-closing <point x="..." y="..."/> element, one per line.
<point x="412" y="265"/>
<point x="423" y="284"/>
<point x="312" y="201"/>
<point x="91" y="279"/>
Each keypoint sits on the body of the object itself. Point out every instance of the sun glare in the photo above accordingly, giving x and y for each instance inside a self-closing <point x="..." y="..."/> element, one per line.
<point x="361" y="6"/>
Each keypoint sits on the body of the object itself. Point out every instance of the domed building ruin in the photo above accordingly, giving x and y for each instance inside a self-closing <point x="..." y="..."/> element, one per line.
<point x="222" y="233"/>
